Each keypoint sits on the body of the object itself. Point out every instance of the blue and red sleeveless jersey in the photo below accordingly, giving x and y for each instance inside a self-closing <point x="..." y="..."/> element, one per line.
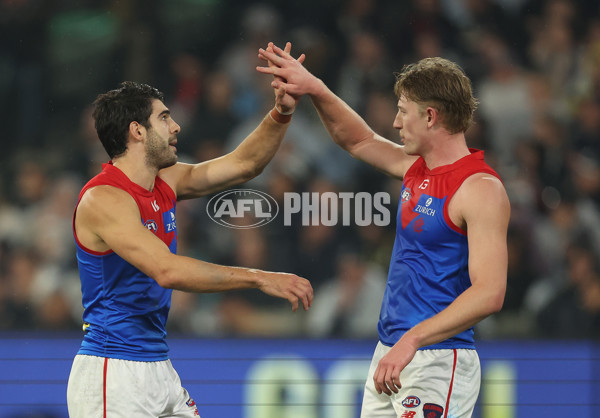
<point x="125" y="311"/>
<point x="429" y="263"/>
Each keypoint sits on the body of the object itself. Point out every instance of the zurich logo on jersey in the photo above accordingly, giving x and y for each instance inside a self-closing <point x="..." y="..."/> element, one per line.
<point x="169" y="221"/>
<point x="426" y="208"/>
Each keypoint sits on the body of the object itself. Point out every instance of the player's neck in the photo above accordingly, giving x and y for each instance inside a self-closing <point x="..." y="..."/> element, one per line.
<point x="137" y="170"/>
<point x="446" y="150"/>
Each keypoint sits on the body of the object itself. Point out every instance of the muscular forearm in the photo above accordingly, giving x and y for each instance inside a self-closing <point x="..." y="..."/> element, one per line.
<point x="468" y="309"/>
<point x="345" y="126"/>
<point x="257" y="150"/>
<point x="191" y="275"/>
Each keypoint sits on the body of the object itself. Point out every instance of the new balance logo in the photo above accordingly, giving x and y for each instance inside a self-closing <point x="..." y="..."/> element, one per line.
<point x="155" y="206"/>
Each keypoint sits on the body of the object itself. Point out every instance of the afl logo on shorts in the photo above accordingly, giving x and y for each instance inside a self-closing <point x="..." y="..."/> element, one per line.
<point x="190" y="402"/>
<point x="411" y="402"/>
<point x="242" y="208"/>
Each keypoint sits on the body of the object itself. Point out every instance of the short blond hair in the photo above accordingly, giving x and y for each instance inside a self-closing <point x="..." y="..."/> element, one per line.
<point x="443" y="85"/>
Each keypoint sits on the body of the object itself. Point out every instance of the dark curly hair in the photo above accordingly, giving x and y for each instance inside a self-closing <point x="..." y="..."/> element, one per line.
<point x="116" y="109"/>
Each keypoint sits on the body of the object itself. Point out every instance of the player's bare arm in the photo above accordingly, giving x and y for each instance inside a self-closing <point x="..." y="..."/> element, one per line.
<point x="345" y="126"/>
<point x="481" y="205"/>
<point x="244" y="163"/>
<point x="108" y="218"/>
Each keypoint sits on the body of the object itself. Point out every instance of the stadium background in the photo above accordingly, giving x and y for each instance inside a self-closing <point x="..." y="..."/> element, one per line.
<point x="535" y="66"/>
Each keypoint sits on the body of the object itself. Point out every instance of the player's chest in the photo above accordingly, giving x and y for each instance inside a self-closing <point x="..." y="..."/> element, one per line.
<point x="423" y="209"/>
<point x="158" y="216"/>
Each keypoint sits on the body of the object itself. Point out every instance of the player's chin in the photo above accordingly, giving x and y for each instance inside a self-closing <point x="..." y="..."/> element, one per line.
<point x="410" y="149"/>
<point x="170" y="162"/>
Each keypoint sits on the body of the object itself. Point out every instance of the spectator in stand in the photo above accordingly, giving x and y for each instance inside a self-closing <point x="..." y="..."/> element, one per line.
<point x="347" y="304"/>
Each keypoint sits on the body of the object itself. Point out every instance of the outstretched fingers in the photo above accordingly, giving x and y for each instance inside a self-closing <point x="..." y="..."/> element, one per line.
<point x="270" y="69"/>
<point x="288" y="48"/>
<point x="275" y="56"/>
<point x="269" y="55"/>
<point x="287" y="52"/>
<point x="284" y="53"/>
<point x="288" y="72"/>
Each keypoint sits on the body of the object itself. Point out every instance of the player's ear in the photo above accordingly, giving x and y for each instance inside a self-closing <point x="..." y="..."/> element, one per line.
<point x="136" y="130"/>
<point x="432" y="116"/>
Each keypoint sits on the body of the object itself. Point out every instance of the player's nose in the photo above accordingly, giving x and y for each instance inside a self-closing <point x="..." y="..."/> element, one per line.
<point x="397" y="121"/>
<point x="175" y="128"/>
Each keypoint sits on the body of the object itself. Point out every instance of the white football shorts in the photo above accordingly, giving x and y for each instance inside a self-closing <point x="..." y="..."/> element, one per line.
<point x="435" y="384"/>
<point x="111" y="388"/>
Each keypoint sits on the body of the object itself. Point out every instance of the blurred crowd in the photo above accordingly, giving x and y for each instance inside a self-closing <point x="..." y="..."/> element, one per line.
<point x="535" y="67"/>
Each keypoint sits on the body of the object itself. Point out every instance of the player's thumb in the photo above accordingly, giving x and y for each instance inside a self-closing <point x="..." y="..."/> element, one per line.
<point x="280" y="91"/>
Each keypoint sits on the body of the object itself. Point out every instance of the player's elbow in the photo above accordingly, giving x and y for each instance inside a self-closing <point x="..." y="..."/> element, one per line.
<point x="248" y="171"/>
<point x="352" y="144"/>
<point x="489" y="300"/>
<point x="495" y="301"/>
<point x="253" y="171"/>
<point x="166" y="277"/>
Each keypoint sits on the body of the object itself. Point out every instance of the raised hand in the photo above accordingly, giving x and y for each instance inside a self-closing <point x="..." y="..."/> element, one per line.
<point x="288" y="72"/>
<point x="284" y="103"/>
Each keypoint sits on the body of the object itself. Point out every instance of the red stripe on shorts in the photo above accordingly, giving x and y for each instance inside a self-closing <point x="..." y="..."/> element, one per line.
<point x="104" y="385"/>
<point x="451" y="384"/>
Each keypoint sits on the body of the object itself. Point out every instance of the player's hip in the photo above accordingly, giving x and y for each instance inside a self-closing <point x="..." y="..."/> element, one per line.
<point x="444" y="382"/>
<point x="101" y="386"/>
